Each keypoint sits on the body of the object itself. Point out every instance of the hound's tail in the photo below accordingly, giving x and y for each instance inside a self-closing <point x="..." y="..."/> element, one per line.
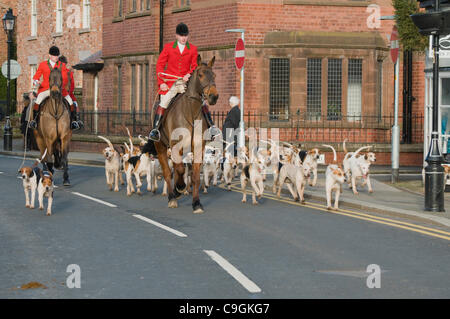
<point x="334" y="152"/>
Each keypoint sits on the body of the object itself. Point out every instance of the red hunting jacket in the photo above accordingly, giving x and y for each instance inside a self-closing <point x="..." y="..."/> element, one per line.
<point x="44" y="71"/>
<point x="72" y="87"/>
<point x="177" y="64"/>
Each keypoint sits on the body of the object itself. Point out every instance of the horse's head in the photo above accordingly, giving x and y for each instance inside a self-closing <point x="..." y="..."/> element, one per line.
<point x="55" y="83"/>
<point x="206" y="80"/>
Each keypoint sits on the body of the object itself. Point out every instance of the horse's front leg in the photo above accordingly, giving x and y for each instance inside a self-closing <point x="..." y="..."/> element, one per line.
<point x="167" y="177"/>
<point x="65" y="141"/>
<point x="180" y="184"/>
<point x="196" y="205"/>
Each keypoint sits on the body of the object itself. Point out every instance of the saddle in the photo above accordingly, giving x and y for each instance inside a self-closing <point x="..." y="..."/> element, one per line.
<point x="164" y="139"/>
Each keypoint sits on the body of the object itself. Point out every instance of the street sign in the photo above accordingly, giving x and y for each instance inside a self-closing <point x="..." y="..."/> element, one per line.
<point x="239" y="54"/>
<point x="394" y="44"/>
<point x="14" y="69"/>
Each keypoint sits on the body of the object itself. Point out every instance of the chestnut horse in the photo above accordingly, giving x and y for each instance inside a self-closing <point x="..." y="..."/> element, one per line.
<point x="53" y="132"/>
<point x="185" y="113"/>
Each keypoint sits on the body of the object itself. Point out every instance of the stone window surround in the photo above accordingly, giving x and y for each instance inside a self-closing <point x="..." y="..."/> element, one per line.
<point x="315" y="43"/>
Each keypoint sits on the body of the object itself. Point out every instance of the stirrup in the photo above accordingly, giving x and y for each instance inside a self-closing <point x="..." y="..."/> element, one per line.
<point x="74" y="125"/>
<point x="32" y="124"/>
<point x="154" y="135"/>
<point x="214" y="131"/>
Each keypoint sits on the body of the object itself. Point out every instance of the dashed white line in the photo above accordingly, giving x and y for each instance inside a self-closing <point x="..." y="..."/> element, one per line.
<point x="233" y="271"/>
<point x="94" y="199"/>
<point x="148" y="220"/>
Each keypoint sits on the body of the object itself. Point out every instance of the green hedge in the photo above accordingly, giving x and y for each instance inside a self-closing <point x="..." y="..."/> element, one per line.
<point x="410" y="38"/>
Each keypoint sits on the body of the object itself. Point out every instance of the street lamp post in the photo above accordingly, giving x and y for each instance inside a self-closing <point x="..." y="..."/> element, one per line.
<point x="434" y="22"/>
<point x="8" y="25"/>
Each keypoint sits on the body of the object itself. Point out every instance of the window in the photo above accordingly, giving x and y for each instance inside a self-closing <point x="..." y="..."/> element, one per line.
<point x="279" y="88"/>
<point x="445" y="91"/>
<point x="379" y="90"/>
<point x="86" y="14"/>
<point x="133" y="87"/>
<point x="183" y="3"/>
<point x="33" y="23"/>
<point x="119" y="87"/>
<point x="314" y="89"/>
<point x="147" y="83"/>
<point x="33" y="69"/>
<point x="354" y="90"/>
<point x="59" y="16"/>
<point x="147" y="6"/>
<point x="133" y="5"/>
<point x="118" y="8"/>
<point x="334" y="103"/>
<point x="141" y="88"/>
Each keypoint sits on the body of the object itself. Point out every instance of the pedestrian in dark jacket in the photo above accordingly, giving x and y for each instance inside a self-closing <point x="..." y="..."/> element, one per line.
<point x="27" y="140"/>
<point x="231" y="123"/>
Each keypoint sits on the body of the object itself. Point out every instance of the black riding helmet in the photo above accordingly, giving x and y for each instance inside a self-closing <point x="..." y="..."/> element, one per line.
<point x="54" y="50"/>
<point x="182" y="29"/>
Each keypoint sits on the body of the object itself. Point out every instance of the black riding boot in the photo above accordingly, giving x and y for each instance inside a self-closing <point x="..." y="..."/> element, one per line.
<point x="154" y="133"/>
<point x="33" y="124"/>
<point x="213" y="130"/>
<point x="73" y="121"/>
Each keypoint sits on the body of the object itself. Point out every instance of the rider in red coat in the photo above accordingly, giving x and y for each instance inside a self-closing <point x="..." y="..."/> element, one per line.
<point x="180" y="56"/>
<point x="43" y="71"/>
<point x="76" y="122"/>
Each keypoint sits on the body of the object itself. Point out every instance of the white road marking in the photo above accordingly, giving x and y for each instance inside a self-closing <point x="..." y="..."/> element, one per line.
<point x="233" y="271"/>
<point x="173" y="231"/>
<point x="94" y="199"/>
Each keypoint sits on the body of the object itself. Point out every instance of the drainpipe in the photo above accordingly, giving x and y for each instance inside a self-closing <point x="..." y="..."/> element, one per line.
<point x="161" y="24"/>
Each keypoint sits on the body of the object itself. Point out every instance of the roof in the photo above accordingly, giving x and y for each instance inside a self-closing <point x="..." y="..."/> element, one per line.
<point x="93" y="62"/>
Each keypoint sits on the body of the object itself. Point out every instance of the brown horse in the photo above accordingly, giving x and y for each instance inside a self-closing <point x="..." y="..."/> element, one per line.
<point x="186" y="113"/>
<point x="53" y="132"/>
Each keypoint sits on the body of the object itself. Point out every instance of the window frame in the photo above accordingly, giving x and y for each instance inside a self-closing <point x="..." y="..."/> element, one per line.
<point x="33" y="20"/>
<point x="280" y="117"/>
<point x="59" y="25"/>
<point x="86" y="14"/>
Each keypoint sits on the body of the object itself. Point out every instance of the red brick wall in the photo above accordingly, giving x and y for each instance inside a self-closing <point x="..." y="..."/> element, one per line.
<point x="70" y="42"/>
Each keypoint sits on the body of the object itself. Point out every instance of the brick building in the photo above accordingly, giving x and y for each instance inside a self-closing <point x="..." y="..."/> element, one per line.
<point x="318" y="57"/>
<point x="75" y="26"/>
<point x="316" y="70"/>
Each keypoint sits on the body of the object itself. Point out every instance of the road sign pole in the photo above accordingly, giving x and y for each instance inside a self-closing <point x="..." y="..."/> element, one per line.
<point x="395" y="130"/>
<point x="395" y="142"/>
<point x="241" y="123"/>
<point x="239" y="60"/>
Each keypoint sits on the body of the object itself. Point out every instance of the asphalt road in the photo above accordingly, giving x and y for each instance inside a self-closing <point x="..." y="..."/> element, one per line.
<point x="142" y="249"/>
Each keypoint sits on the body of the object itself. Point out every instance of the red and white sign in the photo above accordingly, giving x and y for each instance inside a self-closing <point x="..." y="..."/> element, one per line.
<point x="394" y="44"/>
<point x="239" y="54"/>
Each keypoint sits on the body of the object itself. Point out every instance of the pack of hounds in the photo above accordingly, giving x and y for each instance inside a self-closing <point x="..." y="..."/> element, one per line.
<point x="286" y="162"/>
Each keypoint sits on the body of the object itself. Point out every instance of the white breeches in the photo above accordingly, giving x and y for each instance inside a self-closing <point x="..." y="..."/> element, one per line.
<point x="178" y="87"/>
<point x="44" y="94"/>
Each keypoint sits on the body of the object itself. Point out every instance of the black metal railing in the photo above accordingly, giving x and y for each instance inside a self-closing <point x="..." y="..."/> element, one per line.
<point x="295" y="127"/>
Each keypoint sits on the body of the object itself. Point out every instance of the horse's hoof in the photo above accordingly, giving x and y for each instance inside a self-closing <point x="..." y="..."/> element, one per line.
<point x="177" y="194"/>
<point x="173" y="204"/>
<point x="197" y="207"/>
<point x="66" y="182"/>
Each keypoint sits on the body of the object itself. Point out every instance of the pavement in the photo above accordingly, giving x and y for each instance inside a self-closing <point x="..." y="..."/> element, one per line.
<point x="386" y="199"/>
